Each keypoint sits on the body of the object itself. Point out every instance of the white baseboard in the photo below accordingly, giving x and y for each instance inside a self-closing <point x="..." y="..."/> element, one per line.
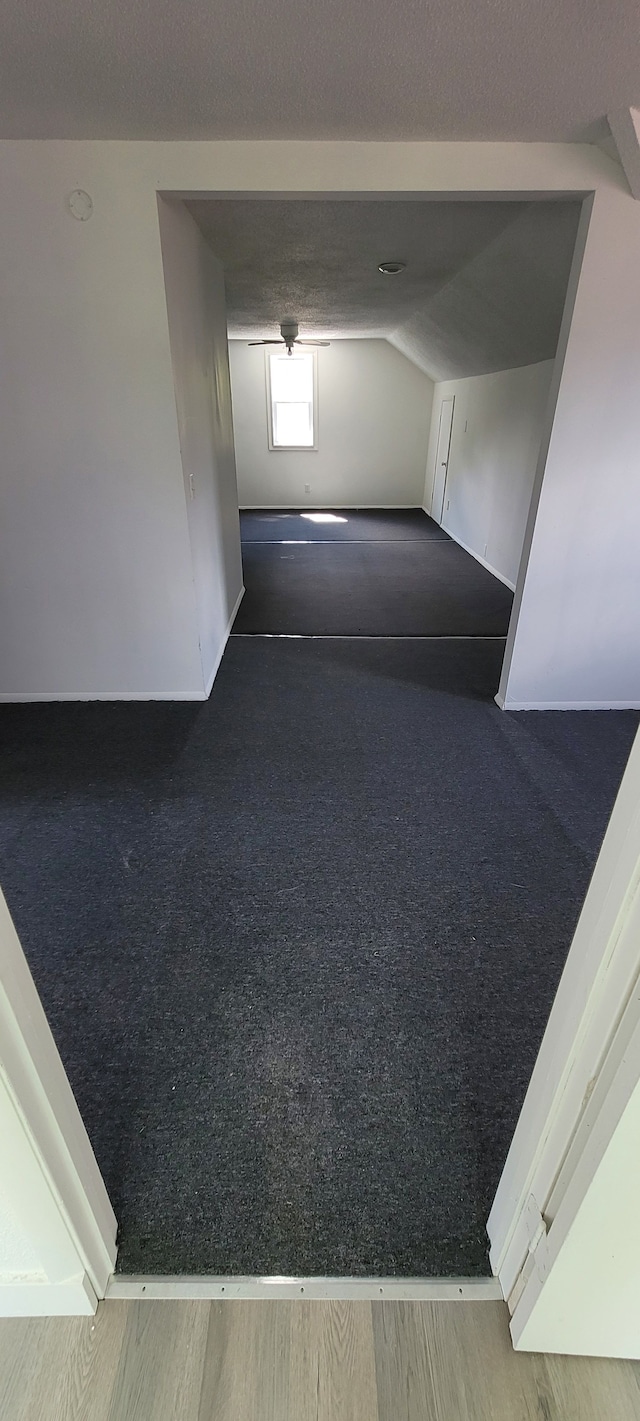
<point x="73" y="1298"/>
<point x="154" y="1287"/>
<point x="223" y="644"/>
<point x="489" y="566"/>
<point x="33" y="697"/>
<point x="565" y="705"/>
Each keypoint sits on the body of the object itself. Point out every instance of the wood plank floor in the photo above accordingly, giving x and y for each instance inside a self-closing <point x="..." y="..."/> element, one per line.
<point x="298" y="1361"/>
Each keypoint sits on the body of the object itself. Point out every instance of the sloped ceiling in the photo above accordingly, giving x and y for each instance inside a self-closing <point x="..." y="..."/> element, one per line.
<point x="472" y="69"/>
<point x="483" y="288"/>
<point x="504" y="307"/>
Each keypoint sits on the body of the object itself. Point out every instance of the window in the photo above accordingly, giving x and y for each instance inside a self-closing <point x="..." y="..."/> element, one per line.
<point x="292" y="401"/>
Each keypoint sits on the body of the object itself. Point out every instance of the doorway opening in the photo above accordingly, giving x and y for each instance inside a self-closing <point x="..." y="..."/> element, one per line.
<point x="329" y="907"/>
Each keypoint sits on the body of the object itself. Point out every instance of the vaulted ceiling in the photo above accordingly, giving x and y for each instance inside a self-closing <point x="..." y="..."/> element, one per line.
<point x="448" y="69"/>
<point x="483" y="288"/>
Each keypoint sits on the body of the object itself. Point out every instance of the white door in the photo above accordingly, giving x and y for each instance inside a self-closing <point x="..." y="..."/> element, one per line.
<point x="442" y="459"/>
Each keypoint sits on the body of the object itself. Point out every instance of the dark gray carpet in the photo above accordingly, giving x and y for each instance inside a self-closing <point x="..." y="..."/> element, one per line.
<point x="424" y="588"/>
<point x="268" y="525"/>
<point x="298" y="944"/>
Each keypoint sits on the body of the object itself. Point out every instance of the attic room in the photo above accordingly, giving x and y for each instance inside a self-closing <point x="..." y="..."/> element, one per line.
<point x="298" y="937"/>
<point x="470" y="318"/>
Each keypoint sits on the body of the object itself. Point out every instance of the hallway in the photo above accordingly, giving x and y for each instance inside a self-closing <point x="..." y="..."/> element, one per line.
<point x="298" y="944"/>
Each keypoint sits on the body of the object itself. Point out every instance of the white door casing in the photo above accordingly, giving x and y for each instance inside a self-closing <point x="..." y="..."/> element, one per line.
<point x="587" y="1070"/>
<point x="56" y="1222"/>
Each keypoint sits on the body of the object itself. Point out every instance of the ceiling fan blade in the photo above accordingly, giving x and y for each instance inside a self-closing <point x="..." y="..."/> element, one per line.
<point x="312" y="342"/>
<point x="265" y="342"/>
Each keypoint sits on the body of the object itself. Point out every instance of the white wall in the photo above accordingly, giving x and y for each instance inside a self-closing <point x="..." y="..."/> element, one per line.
<point x="574" y="638"/>
<point x="495" y="443"/>
<point x="198" y="335"/>
<point x="374" y="408"/>
<point x="96" y="586"/>
<point x="96" y="582"/>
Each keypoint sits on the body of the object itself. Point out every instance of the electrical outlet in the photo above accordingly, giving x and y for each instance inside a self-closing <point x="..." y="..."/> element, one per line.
<point x="192" y="487"/>
<point x="307" y="488"/>
<point x="485" y="550"/>
<point x="447" y="505"/>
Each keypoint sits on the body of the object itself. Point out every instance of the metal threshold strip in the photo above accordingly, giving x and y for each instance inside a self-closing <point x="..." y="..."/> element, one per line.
<point x="158" y="1287"/>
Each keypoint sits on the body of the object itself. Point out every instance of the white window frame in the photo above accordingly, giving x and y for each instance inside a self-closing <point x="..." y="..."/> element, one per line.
<point x="291" y="448"/>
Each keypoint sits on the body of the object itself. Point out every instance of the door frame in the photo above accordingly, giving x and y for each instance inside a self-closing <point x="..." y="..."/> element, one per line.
<point x="586" y="1067"/>
<point x="55" y="1193"/>
<point x="352" y="171"/>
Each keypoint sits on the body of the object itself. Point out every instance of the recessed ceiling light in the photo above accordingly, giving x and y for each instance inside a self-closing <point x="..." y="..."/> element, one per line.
<point x="391" y="268"/>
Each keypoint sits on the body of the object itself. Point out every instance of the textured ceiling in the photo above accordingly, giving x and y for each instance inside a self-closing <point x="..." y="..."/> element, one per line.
<point x="483" y="288"/>
<point x="504" y="307"/>
<point x="471" y="69"/>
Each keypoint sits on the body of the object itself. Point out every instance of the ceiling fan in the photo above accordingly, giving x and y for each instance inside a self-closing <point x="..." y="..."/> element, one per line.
<point x="289" y="337"/>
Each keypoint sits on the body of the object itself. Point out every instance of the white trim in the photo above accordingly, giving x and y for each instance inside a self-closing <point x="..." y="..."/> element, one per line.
<point x="507" y="705"/>
<point x="46" y="1107"/>
<point x="489" y="566"/>
<point x="223" y="645"/>
<point x="73" y="1298"/>
<point x="594" y="990"/>
<point x="153" y="1287"/>
<point x="609" y="1097"/>
<point x="33" y="697"/>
